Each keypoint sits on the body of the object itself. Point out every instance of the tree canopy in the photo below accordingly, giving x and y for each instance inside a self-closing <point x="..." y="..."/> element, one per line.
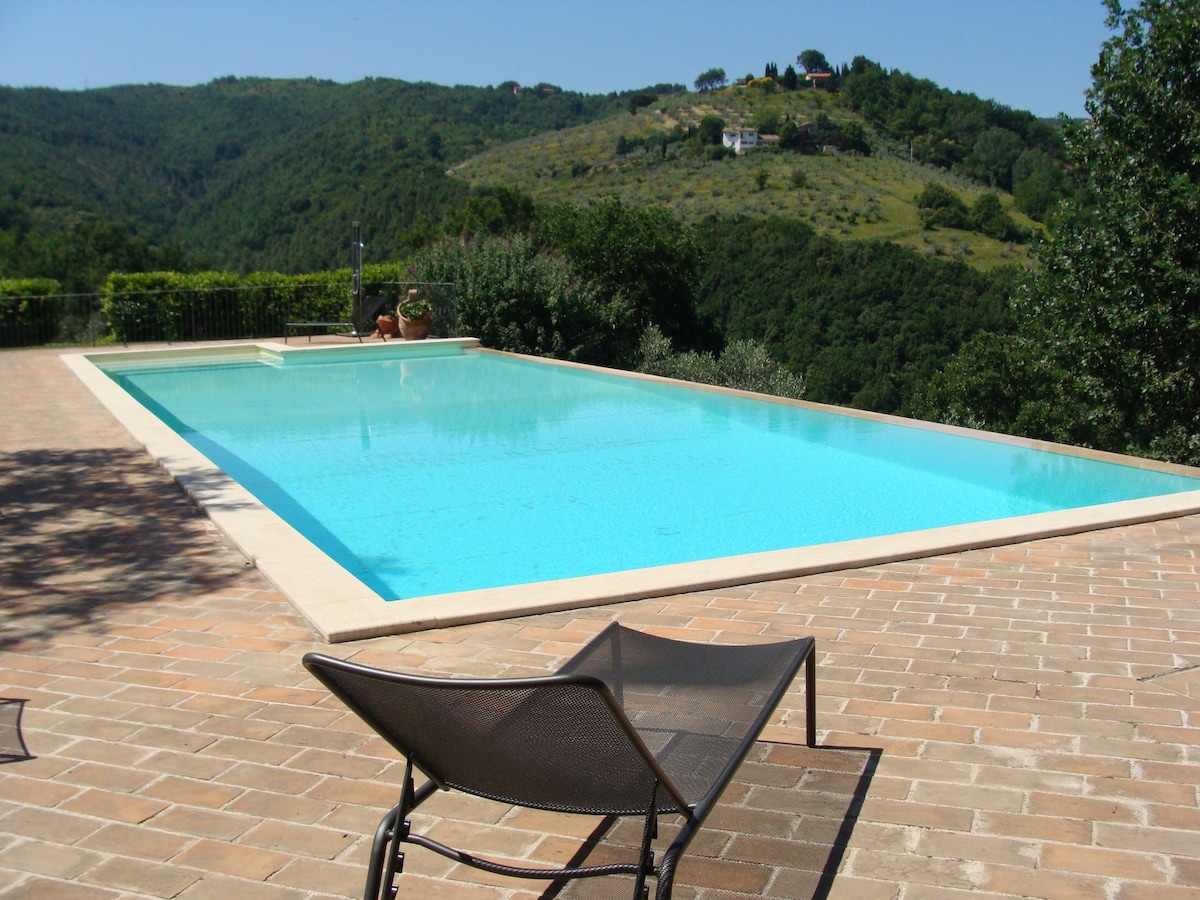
<point x="253" y="173"/>
<point x="813" y="61"/>
<point x="1107" y="351"/>
<point x="710" y="80"/>
<point x="865" y="323"/>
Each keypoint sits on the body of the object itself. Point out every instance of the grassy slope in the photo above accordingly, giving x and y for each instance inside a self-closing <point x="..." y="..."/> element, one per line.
<point x="845" y="196"/>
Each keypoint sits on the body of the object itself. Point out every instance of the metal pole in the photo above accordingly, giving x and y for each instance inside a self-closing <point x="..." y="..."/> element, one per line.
<point x="356" y="248"/>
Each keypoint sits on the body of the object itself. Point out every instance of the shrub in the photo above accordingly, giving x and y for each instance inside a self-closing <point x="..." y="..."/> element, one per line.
<point x="744" y="365"/>
<point x="514" y="298"/>
<point x="218" y="305"/>
<point x="988" y="217"/>
<point x="27" y="317"/>
<point x="711" y="130"/>
<point x="941" y="207"/>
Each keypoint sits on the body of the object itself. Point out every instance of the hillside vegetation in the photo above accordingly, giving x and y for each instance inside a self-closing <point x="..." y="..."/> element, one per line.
<point x="246" y="174"/>
<point x="842" y="194"/>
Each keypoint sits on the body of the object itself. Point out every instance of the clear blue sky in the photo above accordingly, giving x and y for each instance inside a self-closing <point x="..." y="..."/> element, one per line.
<point x="1028" y="54"/>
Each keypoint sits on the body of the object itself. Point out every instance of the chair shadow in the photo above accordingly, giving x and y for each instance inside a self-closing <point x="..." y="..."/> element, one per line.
<point x="781" y="830"/>
<point x="12" y="741"/>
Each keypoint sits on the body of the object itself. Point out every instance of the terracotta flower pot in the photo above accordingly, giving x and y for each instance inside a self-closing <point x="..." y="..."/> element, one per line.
<point x="414" y="329"/>
<point x="388" y="326"/>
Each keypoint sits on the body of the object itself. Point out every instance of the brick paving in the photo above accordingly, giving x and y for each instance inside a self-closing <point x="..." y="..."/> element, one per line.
<point x="1015" y="722"/>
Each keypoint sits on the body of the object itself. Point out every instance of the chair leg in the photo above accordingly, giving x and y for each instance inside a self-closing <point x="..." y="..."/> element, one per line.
<point x="387" y="859"/>
<point x="379" y="850"/>
<point x="810" y="697"/>
<point x="672" y="855"/>
<point x="666" y="872"/>
<point x="646" y="861"/>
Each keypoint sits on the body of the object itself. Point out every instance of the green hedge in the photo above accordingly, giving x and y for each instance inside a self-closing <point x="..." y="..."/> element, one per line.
<point x="27" y="314"/>
<point x="176" y="306"/>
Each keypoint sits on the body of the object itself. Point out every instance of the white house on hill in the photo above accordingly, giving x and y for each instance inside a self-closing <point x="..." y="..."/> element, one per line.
<point x="740" y="139"/>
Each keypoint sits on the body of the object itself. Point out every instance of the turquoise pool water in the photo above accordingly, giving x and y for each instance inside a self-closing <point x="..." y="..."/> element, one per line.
<point x="439" y="474"/>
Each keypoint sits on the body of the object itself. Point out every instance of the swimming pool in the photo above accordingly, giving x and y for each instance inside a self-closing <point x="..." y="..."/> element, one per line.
<point x="438" y="470"/>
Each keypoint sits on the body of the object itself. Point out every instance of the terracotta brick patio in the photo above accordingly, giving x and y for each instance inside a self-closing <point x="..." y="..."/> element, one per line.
<point x="1014" y="722"/>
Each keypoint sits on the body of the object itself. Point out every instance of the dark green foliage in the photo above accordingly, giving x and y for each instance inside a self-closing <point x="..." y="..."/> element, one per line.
<point x="657" y="142"/>
<point x="851" y="138"/>
<point x="765" y="121"/>
<point x="823" y="131"/>
<point x="491" y="209"/>
<point x="865" y="323"/>
<point x="514" y="297"/>
<point x="644" y="255"/>
<point x="993" y="156"/>
<point x="940" y="207"/>
<point x="25" y="317"/>
<point x="997" y="382"/>
<point x="82" y="255"/>
<point x="217" y="305"/>
<point x="1109" y="324"/>
<point x="989" y="218"/>
<point x="790" y="80"/>
<point x="640" y="101"/>
<point x="1039" y="183"/>
<point x="711" y="79"/>
<point x="255" y="173"/>
<point x="176" y="306"/>
<point x="711" y="129"/>
<point x="788" y="135"/>
<point x="814" y="61"/>
<point x="947" y="129"/>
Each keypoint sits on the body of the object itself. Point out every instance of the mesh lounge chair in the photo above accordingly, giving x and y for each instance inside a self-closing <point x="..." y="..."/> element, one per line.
<point x="631" y="725"/>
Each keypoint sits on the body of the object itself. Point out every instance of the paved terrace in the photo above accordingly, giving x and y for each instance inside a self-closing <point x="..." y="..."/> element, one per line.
<point x="1015" y="722"/>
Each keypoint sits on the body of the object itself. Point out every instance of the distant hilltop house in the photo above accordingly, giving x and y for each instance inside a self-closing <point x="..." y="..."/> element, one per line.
<point x="742" y="139"/>
<point x="540" y="89"/>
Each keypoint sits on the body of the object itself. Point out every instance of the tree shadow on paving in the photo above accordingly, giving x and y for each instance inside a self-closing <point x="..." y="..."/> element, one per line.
<point x="780" y="830"/>
<point x="88" y="531"/>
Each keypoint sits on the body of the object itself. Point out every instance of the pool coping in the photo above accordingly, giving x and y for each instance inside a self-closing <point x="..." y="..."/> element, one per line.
<point x="342" y="608"/>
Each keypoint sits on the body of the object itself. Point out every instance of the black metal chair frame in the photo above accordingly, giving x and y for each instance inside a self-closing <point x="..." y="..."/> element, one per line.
<point x="700" y="706"/>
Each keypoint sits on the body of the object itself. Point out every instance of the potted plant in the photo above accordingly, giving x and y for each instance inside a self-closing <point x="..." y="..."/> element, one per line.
<point x="387" y="326"/>
<point x="414" y="314"/>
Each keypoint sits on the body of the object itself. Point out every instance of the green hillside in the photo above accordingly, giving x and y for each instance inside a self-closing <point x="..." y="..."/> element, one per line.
<point x="248" y="174"/>
<point x="844" y="195"/>
<point x="257" y="174"/>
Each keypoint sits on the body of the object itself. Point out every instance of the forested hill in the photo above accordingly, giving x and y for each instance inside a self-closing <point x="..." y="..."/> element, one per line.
<point x="255" y="173"/>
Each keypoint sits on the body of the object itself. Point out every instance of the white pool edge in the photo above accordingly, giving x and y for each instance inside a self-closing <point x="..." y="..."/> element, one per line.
<point x="343" y="608"/>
